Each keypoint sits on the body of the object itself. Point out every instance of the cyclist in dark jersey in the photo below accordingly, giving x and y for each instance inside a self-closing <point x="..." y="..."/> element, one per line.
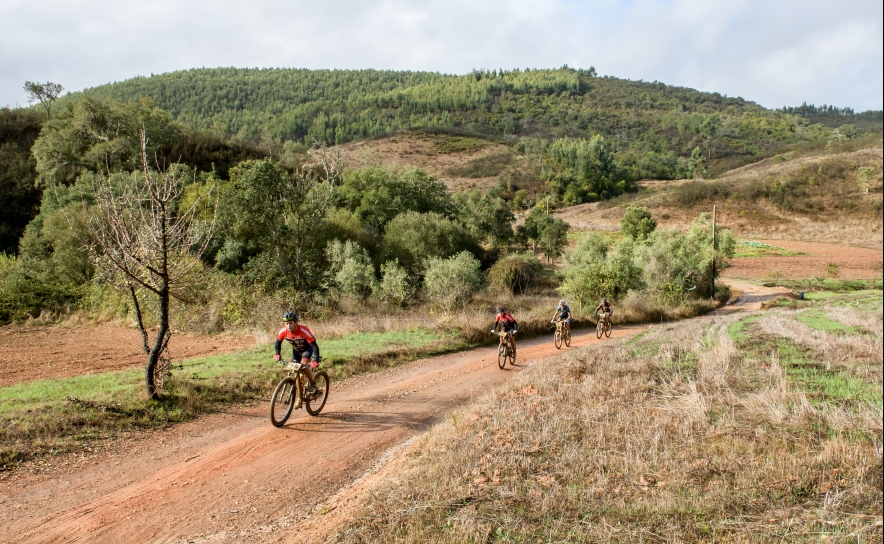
<point x="304" y="347"/>
<point x="563" y="313"/>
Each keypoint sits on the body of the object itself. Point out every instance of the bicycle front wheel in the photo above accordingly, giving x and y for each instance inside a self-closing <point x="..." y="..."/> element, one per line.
<point x="600" y="329"/>
<point x="315" y="404"/>
<point x="282" y="401"/>
<point x="608" y="329"/>
<point x="558" y="339"/>
<point x="501" y="356"/>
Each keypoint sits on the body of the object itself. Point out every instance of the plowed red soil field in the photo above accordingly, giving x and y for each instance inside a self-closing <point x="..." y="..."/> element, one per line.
<point x="853" y="262"/>
<point x="30" y="353"/>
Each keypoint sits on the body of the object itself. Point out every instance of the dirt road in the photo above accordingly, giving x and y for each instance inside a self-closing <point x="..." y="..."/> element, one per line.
<point x="747" y="296"/>
<point x="233" y="477"/>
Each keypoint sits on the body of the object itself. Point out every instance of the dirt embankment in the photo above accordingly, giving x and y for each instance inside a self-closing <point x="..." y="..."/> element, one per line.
<point x="30" y="353"/>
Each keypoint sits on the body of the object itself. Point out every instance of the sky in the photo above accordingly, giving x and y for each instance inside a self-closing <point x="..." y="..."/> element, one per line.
<point x="772" y="52"/>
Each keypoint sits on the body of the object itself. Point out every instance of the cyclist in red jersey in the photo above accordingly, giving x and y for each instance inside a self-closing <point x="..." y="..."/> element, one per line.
<point x="507" y="324"/>
<point x="304" y="347"/>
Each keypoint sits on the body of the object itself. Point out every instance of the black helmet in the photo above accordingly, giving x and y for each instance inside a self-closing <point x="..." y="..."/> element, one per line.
<point x="290" y="316"/>
<point x="500" y="309"/>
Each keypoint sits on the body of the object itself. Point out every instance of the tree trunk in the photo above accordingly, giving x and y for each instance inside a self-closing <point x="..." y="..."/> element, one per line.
<point x="159" y="345"/>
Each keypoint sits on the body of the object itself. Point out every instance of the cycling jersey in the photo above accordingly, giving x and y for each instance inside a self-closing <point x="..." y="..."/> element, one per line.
<point x="507" y="322"/>
<point x="302" y="340"/>
<point x="563" y="313"/>
<point x="606" y="307"/>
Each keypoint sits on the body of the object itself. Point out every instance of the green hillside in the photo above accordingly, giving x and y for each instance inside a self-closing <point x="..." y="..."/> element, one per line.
<point x="648" y="126"/>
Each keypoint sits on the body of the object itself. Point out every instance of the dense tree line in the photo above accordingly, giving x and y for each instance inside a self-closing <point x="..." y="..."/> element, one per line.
<point x="650" y="128"/>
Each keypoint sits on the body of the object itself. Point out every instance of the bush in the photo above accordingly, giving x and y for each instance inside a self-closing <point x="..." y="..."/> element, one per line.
<point x="395" y="288"/>
<point x="515" y="273"/>
<point x="452" y="282"/>
<point x="637" y="223"/>
<point x="595" y="270"/>
<point x="413" y="237"/>
<point x="353" y="274"/>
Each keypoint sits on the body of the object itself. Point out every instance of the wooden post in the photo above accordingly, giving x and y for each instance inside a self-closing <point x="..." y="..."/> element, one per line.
<point x="713" y="252"/>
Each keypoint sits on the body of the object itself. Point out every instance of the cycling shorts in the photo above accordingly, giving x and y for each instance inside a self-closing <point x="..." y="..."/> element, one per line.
<point x="304" y="354"/>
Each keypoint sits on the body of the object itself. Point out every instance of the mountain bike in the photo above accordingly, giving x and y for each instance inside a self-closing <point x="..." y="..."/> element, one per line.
<point x="506" y="350"/>
<point x="290" y="393"/>
<point x="563" y="334"/>
<point x="603" y="327"/>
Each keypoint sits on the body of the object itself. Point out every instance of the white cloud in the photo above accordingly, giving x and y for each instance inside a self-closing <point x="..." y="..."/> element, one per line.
<point x="772" y="52"/>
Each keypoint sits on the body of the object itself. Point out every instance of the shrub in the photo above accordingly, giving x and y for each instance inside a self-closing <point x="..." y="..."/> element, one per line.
<point x="352" y="272"/>
<point x="637" y="223"/>
<point x="515" y="273"/>
<point x="595" y="270"/>
<point x="395" y="288"/>
<point x="413" y="237"/>
<point x="452" y="282"/>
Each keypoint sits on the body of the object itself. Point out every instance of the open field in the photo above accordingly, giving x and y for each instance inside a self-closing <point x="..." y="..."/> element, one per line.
<point x="812" y="260"/>
<point x="42" y="352"/>
<point x="760" y="427"/>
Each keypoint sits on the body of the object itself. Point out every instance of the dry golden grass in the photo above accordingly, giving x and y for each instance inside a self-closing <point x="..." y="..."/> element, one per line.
<point x="692" y="432"/>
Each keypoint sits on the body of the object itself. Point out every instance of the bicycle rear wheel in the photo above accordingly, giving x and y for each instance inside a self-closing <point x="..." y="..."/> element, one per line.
<point x="608" y="328"/>
<point x="315" y="404"/>
<point x="282" y="401"/>
<point x="558" y="339"/>
<point x="501" y="356"/>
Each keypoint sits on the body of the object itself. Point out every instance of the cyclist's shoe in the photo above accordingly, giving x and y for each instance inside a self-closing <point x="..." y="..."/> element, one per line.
<point x="312" y="392"/>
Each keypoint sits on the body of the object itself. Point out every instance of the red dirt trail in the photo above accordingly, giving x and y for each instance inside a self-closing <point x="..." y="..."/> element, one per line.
<point x="232" y="476"/>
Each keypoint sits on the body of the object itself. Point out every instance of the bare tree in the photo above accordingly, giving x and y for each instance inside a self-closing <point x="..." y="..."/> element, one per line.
<point x="45" y="93"/>
<point x="144" y="241"/>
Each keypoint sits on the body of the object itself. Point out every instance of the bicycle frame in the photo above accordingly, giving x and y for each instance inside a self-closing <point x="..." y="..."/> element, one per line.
<point x="294" y="369"/>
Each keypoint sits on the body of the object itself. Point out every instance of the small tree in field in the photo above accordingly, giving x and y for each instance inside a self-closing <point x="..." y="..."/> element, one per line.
<point x="142" y="240"/>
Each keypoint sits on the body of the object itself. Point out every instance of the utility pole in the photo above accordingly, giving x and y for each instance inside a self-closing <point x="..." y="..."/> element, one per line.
<point x="713" y="252"/>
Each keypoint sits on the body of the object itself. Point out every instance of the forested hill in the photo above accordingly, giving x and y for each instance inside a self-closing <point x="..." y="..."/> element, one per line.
<point x="642" y="122"/>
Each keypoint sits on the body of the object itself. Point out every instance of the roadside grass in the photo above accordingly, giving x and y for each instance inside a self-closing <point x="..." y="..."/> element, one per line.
<point x="723" y="428"/>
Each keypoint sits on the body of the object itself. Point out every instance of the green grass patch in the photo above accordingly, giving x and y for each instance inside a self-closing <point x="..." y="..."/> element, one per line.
<point x="760" y="249"/>
<point x="825" y="385"/>
<point x="456" y="144"/>
<point x="815" y="285"/>
<point x="737" y="329"/>
<point x="819" y="320"/>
